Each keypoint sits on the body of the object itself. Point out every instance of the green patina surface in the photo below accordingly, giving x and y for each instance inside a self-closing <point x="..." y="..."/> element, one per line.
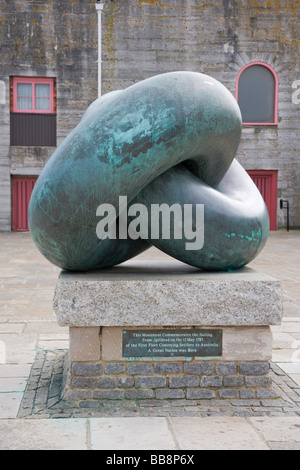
<point x="168" y="139"/>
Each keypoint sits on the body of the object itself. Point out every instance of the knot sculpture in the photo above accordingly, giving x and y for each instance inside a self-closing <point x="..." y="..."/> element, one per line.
<point x="170" y="139"/>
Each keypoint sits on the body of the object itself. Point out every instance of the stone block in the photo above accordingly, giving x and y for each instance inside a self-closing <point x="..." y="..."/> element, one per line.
<point x="150" y="382"/>
<point x="211" y="381"/>
<point x="247" y="343"/>
<point x="184" y="381"/>
<point x="167" y="394"/>
<point x="125" y="382"/>
<point x="233" y="381"/>
<point x="226" y="368"/>
<point x="108" y="394"/>
<point x="200" y="393"/>
<point x="106" y="382"/>
<point x="266" y="393"/>
<point x="79" y="368"/>
<point x="203" y="368"/>
<point x="247" y="393"/>
<point x="115" y="368"/>
<point x="77" y="395"/>
<point x="111" y="343"/>
<point x="139" y="394"/>
<point x="137" y="293"/>
<point x="258" y="381"/>
<point x="254" y="368"/>
<point x="84" y="344"/>
<point x="139" y="369"/>
<point x="83" y="382"/>
<point x="167" y="368"/>
<point x="228" y="393"/>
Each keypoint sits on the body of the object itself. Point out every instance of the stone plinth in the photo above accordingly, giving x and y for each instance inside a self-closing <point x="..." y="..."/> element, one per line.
<point x="99" y="307"/>
<point x="166" y="293"/>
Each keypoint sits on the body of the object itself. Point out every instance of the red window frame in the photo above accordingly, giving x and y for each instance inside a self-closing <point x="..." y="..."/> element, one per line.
<point x="33" y="81"/>
<point x="263" y="64"/>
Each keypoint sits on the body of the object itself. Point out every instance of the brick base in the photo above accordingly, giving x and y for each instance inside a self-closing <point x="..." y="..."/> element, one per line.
<point x="209" y="379"/>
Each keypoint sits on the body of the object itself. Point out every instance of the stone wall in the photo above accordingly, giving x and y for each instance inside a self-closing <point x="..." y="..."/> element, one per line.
<point x="146" y="37"/>
<point x="141" y="38"/>
<point x="44" y="39"/>
<point x="168" y="380"/>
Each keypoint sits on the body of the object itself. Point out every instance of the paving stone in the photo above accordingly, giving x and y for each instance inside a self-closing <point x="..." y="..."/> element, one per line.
<point x="266" y="393"/>
<point x="127" y="434"/>
<point x="38" y="434"/>
<point x="257" y="381"/>
<point x="276" y="429"/>
<point x="9" y="404"/>
<point x="219" y="430"/>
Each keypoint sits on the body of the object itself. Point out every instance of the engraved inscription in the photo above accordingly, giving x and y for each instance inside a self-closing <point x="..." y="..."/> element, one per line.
<point x="169" y="342"/>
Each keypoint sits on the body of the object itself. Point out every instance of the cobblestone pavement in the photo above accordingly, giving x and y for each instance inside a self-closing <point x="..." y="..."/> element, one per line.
<point x="32" y="373"/>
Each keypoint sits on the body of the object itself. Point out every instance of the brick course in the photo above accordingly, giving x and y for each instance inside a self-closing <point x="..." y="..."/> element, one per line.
<point x="163" y="380"/>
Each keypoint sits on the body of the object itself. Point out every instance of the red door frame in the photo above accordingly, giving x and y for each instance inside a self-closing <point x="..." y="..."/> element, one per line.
<point x="266" y="181"/>
<point x="21" y="189"/>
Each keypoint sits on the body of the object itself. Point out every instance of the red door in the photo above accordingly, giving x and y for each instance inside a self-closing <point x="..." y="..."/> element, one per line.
<point x="22" y="187"/>
<point x="266" y="181"/>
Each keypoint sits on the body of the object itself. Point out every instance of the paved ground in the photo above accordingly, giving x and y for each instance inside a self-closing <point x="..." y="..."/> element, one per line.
<point x="30" y="340"/>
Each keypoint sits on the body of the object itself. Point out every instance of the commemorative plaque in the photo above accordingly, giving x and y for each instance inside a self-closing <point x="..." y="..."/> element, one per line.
<point x="169" y="343"/>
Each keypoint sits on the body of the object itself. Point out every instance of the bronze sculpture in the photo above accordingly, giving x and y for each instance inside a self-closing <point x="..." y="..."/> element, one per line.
<point x="170" y="139"/>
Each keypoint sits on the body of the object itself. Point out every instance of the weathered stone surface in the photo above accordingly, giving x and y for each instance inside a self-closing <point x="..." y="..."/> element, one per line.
<point x="245" y="343"/>
<point x="184" y="381"/>
<point x="166" y="293"/>
<point x="150" y="382"/>
<point x="115" y="368"/>
<point x="81" y="368"/>
<point x="140" y="369"/>
<point x="84" y="344"/>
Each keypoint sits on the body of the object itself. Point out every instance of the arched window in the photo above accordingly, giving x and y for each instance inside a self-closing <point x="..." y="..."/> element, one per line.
<point x="257" y="94"/>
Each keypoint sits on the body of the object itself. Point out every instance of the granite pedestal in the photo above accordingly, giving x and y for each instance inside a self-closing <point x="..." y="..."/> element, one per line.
<point x="169" y="302"/>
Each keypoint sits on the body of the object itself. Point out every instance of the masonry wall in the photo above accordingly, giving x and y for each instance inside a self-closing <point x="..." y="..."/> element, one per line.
<point x="44" y="38"/>
<point x="146" y="37"/>
<point x="141" y="38"/>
